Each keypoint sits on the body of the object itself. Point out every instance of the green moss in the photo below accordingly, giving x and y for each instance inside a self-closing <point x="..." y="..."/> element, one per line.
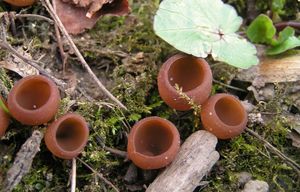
<point x="134" y="83"/>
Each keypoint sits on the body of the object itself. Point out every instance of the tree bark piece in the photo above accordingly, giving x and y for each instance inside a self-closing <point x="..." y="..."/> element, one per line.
<point x="196" y="157"/>
<point x="23" y="160"/>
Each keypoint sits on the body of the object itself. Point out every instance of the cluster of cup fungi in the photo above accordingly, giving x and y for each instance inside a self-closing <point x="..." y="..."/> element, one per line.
<point x="34" y="100"/>
<point x="154" y="142"/>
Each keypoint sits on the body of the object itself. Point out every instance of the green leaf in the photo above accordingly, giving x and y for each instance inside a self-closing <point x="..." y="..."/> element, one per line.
<point x="261" y="30"/>
<point x="290" y="43"/>
<point x="285" y="34"/>
<point x="202" y="27"/>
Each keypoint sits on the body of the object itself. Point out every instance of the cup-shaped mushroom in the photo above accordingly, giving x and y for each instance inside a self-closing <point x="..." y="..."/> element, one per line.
<point x="190" y="73"/>
<point x="224" y="116"/>
<point x="20" y="3"/>
<point x="33" y="100"/>
<point x="67" y="136"/>
<point x="153" y="143"/>
<point x="4" y="120"/>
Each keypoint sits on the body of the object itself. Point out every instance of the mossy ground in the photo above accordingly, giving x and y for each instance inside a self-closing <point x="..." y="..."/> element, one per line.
<point x="134" y="83"/>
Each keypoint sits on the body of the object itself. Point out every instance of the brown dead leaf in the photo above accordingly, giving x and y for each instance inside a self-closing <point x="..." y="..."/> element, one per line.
<point x="17" y="65"/>
<point x="75" y="18"/>
<point x="93" y="5"/>
<point x="273" y="69"/>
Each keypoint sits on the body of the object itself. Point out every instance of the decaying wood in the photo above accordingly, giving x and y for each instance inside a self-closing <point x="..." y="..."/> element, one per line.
<point x="196" y="157"/>
<point x="273" y="69"/>
<point x="23" y="161"/>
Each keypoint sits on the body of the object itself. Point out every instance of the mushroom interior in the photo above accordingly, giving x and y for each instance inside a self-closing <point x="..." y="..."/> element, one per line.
<point x="153" y="138"/>
<point x="33" y="94"/>
<point x="187" y="72"/>
<point x="229" y="111"/>
<point x="70" y="134"/>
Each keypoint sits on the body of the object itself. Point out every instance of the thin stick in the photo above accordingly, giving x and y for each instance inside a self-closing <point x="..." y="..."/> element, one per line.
<point x="73" y="180"/>
<point x="59" y="43"/>
<point x="51" y="11"/>
<point x="40" y="17"/>
<point x="292" y="163"/>
<point x="229" y="86"/>
<point x="99" y="175"/>
<point x="284" y="24"/>
<point x="116" y="152"/>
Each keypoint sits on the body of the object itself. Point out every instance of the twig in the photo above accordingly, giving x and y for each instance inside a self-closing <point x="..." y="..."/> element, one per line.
<point x="292" y="163"/>
<point x="60" y="44"/>
<point x="23" y="160"/>
<point x="73" y="180"/>
<point x="229" y="86"/>
<point x="40" y="17"/>
<point x="116" y="151"/>
<point x="281" y="25"/>
<point x="33" y="63"/>
<point x="48" y="6"/>
<point x="13" y="23"/>
<point x="99" y="175"/>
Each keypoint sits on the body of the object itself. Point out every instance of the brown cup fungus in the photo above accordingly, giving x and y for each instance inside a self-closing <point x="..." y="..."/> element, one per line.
<point x="224" y="116"/>
<point x="190" y="73"/>
<point x="4" y="120"/>
<point x="67" y="136"/>
<point x="153" y="143"/>
<point x="33" y="100"/>
<point x="20" y="3"/>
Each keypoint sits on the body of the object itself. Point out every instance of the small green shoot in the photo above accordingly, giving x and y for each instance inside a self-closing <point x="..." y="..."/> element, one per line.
<point x="262" y="30"/>
<point x="3" y="107"/>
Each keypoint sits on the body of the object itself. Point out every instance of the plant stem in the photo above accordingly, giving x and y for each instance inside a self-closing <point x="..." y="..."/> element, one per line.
<point x="3" y="107"/>
<point x="73" y="180"/>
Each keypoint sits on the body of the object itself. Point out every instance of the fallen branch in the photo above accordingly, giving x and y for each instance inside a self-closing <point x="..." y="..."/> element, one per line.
<point x="196" y="157"/>
<point x="23" y="161"/>
<point x="49" y="7"/>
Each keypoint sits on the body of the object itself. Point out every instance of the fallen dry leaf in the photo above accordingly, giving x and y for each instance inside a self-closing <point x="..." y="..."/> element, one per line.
<point x="75" y="20"/>
<point x="93" y="5"/>
<point x="17" y="65"/>
<point x="273" y="69"/>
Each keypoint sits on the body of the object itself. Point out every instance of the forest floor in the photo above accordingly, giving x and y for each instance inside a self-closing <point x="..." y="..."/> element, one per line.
<point x="125" y="54"/>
